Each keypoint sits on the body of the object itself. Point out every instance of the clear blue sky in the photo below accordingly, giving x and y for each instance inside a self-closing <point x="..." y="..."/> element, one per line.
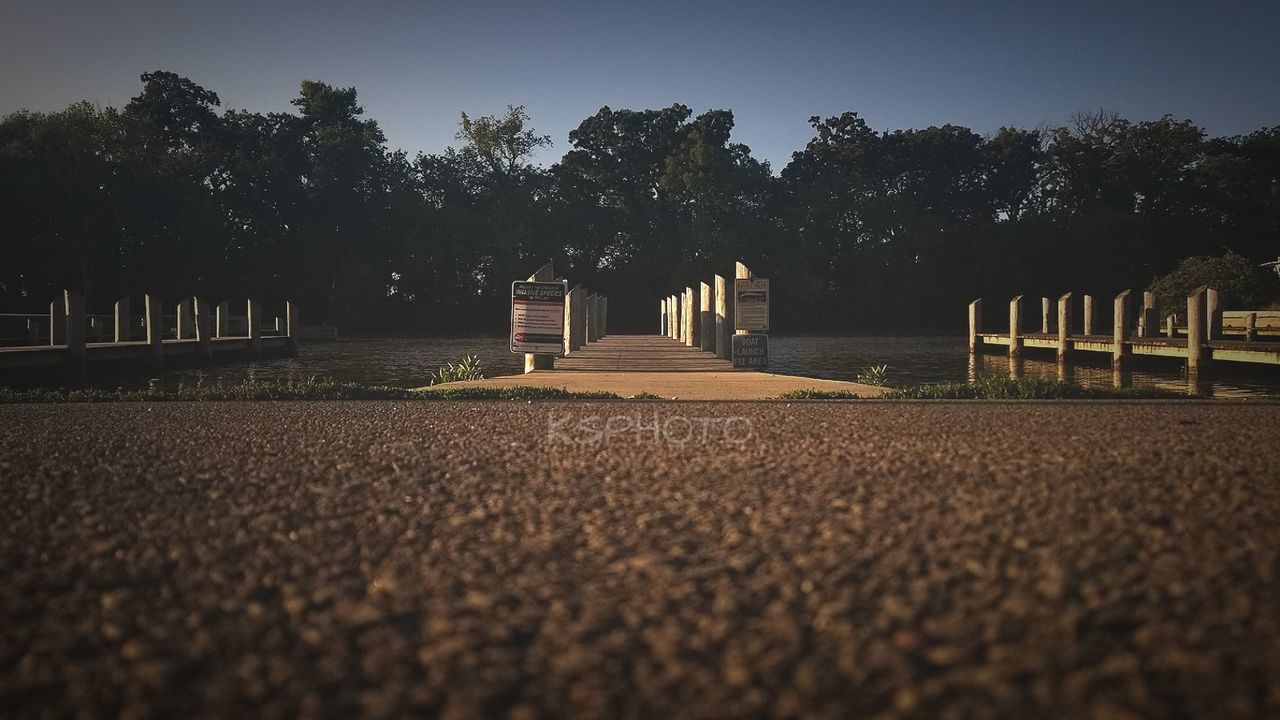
<point x="417" y="65"/>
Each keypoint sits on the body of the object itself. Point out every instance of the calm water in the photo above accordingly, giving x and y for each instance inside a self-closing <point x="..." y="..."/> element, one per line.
<point x="409" y="363"/>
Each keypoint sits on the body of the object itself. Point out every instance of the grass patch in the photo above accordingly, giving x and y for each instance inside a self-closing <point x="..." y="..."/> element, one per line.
<point x="998" y="389"/>
<point x="310" y="389"/>
<point x="522" y="392"/>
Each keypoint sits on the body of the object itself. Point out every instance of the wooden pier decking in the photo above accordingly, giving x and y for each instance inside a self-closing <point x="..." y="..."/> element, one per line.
<point x="630" y="365"/>
<point x="1210" y="334"/>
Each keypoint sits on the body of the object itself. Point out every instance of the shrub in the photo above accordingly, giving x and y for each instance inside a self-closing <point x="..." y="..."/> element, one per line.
<point x="1241" y="283"/>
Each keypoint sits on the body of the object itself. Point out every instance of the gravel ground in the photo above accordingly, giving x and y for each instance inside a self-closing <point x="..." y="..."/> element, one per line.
<point x="500" y="559"/>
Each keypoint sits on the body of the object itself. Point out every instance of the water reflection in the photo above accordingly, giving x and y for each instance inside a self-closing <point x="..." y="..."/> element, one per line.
<point x="910" y="360"/>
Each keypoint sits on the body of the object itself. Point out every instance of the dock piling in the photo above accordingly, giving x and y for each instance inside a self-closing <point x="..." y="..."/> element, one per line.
<point x="975" y="324"/>
<point x="1120" y="330"/>
<point x="1213" y="315"/>
<point x="1149" y="320"/>
<point x="154" y="328"/>
<point x="1088" y="315"/>
<point x="1044" y="315"/>
<point x="1196" y="328"/>
<point x="690" y="302"/>
<point x="186" y="320"/>
<point x="123" y="330"/>
<point x="1015" y="327"/>
<point x="1251" y="327"/>
<point x="706" y="320"/>
<point x="722" y="318"/>
<point x="222" y="320"/>
<point x="254" y="317"/>
<point x="203" y="328"/>
<point x="77" y="351"/>
<point x="1064" y="325"/>
<point x="291" y="326"/>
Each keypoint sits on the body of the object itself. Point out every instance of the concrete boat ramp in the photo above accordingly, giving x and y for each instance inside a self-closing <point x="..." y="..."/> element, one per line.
<point x="629" y="365"/>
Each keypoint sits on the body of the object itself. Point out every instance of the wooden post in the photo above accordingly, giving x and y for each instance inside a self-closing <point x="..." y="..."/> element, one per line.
<point x="975" y="324"/>
<point x="1044" y="315"/>
<point x="1149" y="320"/>
<point x="154" y="328"/>
<point x="222" y="320"/>
<point x="691" y="302"/>
<point x="58" y="321"/>
<point x="722" y="326"/>
<point x="291" y="327"/>
<point x="203" y="328"/>
<point x="604" y="316"/>
<point x="1169" y="323"/>
<point x="1064" y="325"/>
<point x="577" y="319"/>
<point x="1196" y="329"/>
<point x="124" y="331"/>
<point x="590" y="319"/>
<point x="671" y="318"/>
<point x="186" y="320"/>
<point x="568" y="321"/>
<point x="706" y="319"/>
<point x="1119" y="330"/>
<point x="1015" y="327"/>
<point x="532" y="362"/>
<point x="77" y="352"/>
<point x="740" y="270"/>
<point x="254" y="316"/>
<point x="1213" y="315"/>
<point x="662" y="317"/>
<point x="1088" y="315"/>
<point x="1251" y="327"/>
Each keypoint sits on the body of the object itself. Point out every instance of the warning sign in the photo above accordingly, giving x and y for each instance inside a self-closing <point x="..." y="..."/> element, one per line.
<point x="537" y="317"/>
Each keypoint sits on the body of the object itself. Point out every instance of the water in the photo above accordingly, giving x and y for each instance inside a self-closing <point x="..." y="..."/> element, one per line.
<point x="910" y="360"/>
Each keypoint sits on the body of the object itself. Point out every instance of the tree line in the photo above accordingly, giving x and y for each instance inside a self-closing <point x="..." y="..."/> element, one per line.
<point x="862" y="230"/>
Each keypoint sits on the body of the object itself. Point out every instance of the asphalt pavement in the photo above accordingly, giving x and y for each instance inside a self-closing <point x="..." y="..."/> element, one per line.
<point x="640" y="559"/>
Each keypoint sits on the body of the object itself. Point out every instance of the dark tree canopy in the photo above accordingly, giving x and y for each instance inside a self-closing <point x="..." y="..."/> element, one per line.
<point x="863" y="229"/>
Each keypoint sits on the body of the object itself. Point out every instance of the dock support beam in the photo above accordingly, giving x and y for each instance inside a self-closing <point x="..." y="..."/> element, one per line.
<point x="1120" y="330"/>
<point x="1196" y="328"/>
<point x="254" y="316"/>
<point x="204" y="329"/>
<point x="1015" y="327"/>
<point x="1088" y="314"/>
<point x="124" y="329"/>
<point x="722" y="318"/>
<point x="706" y="320"/>
<point x="975" y="324"/>
<point x="1064" y="325"/>
<point x="155" y="331"/>
<point x="291" y="326"/>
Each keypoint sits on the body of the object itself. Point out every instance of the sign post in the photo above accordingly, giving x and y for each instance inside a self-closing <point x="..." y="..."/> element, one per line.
<point x="537" y="317"/>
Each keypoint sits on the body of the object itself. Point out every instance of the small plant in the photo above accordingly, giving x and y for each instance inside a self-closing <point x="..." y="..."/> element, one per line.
<point x="468" y="369"/>
<point x="874" y="375"/>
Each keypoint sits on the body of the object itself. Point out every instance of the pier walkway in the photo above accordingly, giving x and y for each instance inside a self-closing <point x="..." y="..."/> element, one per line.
<point x="629" y="365"/>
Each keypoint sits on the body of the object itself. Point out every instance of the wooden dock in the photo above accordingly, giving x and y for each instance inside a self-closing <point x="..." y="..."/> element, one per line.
<point x="198" y="332"/>
<point x="631" y="365"/>
<point x="1209" y="333"/>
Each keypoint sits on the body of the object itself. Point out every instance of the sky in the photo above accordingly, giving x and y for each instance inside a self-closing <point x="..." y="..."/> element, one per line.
<point x="418" y="65"/>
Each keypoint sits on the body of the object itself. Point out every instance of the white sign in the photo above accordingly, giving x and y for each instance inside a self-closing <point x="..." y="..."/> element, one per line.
<point x="751" y="304"/>
<point x="537" y="317"/>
